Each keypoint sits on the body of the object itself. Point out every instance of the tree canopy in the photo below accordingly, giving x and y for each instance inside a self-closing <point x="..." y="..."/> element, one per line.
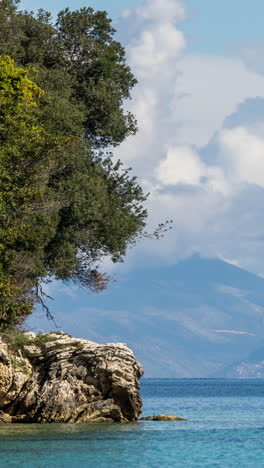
<point x="64" y="203"/>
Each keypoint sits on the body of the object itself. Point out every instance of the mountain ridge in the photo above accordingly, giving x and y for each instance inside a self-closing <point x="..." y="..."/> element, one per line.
<point x="192" y="319"/>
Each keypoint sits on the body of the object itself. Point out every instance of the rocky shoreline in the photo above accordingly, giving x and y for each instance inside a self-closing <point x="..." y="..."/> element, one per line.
<point x="57" y="378"/>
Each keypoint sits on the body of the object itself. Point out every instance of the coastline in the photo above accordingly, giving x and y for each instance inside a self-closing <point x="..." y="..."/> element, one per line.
<point x="57" y="378"/>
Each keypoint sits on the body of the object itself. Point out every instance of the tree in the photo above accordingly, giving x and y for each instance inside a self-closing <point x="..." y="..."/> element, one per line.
<point x="64" y="203"/>
<point x="82" y="52"/>
<point x="21" y="182"/>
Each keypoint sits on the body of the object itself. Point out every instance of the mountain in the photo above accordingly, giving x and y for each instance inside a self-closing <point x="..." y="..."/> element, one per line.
<point x="192" y="319"/>
<point x="250" y="368"/>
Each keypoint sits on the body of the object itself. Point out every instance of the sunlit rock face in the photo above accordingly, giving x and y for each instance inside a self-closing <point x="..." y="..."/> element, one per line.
<point x="57" y="378"/>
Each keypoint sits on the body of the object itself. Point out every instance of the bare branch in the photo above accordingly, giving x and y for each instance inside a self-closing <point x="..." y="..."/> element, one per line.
<point x="40" y="294"/>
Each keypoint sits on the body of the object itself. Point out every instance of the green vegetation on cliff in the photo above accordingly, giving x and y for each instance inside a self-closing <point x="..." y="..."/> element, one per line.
<point x="64" y="204"/>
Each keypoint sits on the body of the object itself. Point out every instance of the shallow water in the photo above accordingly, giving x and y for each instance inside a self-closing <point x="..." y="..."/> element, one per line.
<point x="225" y="429"/>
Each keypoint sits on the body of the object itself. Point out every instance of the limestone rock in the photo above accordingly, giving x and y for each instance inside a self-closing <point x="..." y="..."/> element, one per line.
<point x="163" y="417"/>
<point x="57" y="378"/>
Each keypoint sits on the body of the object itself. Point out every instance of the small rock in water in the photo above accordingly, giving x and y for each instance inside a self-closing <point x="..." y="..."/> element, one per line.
<point x="163" y="417"/>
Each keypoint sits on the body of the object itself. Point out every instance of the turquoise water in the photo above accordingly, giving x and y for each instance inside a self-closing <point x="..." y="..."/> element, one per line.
<point x="225" y="429"/>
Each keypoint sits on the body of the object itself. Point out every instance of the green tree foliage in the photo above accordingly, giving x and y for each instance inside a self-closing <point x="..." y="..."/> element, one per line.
<point x="22" y="142"/>
<point x="64" y="204"/>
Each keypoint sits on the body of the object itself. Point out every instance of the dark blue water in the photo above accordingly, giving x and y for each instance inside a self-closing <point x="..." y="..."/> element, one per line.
<point x="225" y="429"/>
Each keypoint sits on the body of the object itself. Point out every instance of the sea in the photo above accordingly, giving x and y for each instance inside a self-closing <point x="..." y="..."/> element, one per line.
<point x="225" y="428"/>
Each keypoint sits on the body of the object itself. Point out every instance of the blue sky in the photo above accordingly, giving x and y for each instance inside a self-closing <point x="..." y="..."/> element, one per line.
<point x="212" y="27"/>
<point x="199" y="151"/>
<point x="113" y="7"/>
<point x="217" y="26"/>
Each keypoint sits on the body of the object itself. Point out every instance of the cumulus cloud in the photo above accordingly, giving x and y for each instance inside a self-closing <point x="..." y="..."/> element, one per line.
<point x="171" y="10"/>
<point x="212" y="88"/>
<point x="181" y="166"/>
<point x="154" y="48"/>
<point x="252" y="55"/>
<point x="200" y="145"/>
<point x="243" y="155"/>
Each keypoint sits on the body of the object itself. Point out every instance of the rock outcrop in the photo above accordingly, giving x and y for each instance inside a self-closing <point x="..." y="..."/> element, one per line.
<point x="163" y="417"/>
<point x="57" y="378"/>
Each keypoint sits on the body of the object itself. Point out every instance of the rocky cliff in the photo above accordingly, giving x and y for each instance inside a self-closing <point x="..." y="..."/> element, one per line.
<point x="57" y="378"/>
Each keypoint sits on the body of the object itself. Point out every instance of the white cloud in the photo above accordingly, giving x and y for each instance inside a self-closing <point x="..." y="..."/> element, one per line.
<point x="181" y="166"/>
<point x="204" y="173"/>
<point x="168" y="10"/>
<point x="243" y="155"/>
<point x="252" y="55"/>
<point x="126" y="13"/>
<point x="180" y="99"/>
<point x="151" y="52"/>
<point x="231" y="261"/>
<point x="212" y="88"/>
<point x="234" y="332"/>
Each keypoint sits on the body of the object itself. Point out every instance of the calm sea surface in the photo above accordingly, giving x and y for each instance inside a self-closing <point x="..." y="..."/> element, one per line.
<point x="225" y="429"/>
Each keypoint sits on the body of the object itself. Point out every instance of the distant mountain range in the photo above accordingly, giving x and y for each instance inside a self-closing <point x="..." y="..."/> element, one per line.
<point x="250" y="368"/>
<point x="198" y="318"/>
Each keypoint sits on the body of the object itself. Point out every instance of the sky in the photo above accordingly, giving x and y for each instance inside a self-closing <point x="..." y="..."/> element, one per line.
<point x="211" y="27"/>
<point x="200" y="109"/>
<point x="199" y="104"/>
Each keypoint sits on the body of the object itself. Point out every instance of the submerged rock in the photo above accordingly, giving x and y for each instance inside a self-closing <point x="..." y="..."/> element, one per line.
<point x="57" y="378"/>
<point x="163" y="417"/>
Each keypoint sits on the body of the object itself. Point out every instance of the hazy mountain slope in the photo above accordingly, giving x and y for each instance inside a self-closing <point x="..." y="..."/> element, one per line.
<point x="252" y="367"/>
<point x="192" y="319"/>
